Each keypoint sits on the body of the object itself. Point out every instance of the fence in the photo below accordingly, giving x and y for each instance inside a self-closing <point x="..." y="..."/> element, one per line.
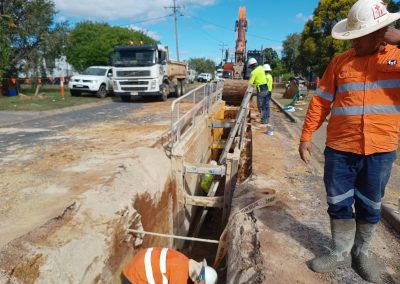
<point x="185" y="109"/>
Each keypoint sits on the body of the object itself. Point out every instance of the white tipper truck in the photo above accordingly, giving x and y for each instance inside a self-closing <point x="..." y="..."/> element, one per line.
<point x="145" y="70"/>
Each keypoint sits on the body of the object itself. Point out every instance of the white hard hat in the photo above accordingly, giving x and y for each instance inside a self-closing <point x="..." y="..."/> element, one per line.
<point x="196" y="272"/>
<point x="213" y="163"/>
<point x="267" y="67"/>
<point x="365" y="17"/>
<point x="252" y="61"/>
<point x="210" y="275"/>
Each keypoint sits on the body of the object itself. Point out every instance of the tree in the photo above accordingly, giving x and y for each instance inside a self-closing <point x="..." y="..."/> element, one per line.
<point x="35" y="38"/>
<point x="32" y="38"/>
<point x="202" y="65"/>
<point x="271" y="57"/>
<point x="290" y="53"/>
<point x="90" y="43"/>
<point x="317" y="47"/>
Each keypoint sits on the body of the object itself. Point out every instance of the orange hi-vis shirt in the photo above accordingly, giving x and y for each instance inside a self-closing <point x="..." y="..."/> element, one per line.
<point x="148" y="264"/>
<point x="362" y="94"/>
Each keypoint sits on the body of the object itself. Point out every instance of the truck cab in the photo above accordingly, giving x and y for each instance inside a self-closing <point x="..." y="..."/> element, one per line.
<point x="145" y="70"/>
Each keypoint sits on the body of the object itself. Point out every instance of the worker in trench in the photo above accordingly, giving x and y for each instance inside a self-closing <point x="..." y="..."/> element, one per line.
<point x="165" y="265"/>
<point x="361" y="91"/>
<point x="259" y="80"/>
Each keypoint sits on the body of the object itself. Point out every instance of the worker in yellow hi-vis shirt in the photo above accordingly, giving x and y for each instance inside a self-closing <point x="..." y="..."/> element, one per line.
<point x="260" y="81"/>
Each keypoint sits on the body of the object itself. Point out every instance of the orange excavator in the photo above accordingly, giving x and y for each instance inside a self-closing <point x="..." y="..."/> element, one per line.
<point x="234" y="89"/>
<point x="240" y="50"/>
<point x="235" y="70"/>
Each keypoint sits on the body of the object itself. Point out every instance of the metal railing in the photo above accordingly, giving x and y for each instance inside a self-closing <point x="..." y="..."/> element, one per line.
<point x="187" y="108"/>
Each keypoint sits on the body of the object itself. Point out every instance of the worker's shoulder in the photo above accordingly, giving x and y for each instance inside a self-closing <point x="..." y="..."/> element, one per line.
<point x="344" y="55"/>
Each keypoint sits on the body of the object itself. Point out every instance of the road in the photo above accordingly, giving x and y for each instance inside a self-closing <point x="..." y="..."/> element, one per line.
<point x="36" y="128"/>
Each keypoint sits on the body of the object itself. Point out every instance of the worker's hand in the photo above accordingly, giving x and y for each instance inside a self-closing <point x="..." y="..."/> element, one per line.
<point x="305" y="151"/>
<point x="390" y="35"/>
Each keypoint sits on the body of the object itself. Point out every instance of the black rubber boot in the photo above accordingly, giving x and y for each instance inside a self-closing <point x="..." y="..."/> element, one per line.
<point x="368" y="268"/>
<point x="339" y="257"/>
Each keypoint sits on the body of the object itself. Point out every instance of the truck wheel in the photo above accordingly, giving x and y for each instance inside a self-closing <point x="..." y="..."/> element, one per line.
<point x="178" y="89"/>
<point x="126" y="99"/>
<point x="165" y="92"/>
<point x="74" y="93"/>
<point x="102" y="92"/>
<point x="182" y="86"/>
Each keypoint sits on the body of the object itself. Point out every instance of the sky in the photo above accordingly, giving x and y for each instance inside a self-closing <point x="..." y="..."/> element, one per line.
<point x="205" y="27"/>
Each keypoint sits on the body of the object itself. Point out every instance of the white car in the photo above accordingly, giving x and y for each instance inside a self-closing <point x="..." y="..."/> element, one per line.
<point x="204" y="77"/>
<point x="95" y="79"/>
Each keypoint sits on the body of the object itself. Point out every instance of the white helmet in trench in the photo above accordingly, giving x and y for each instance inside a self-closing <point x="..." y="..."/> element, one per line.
<point x="252" y="61"/>
<point x="267" y="68"/>
<point x="200" y="271"/>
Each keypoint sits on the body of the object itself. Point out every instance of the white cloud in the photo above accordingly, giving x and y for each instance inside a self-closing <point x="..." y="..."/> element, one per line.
<point x="300" y="17"/>
<point x="134" y="10"/>
<point x="152" y="34"/>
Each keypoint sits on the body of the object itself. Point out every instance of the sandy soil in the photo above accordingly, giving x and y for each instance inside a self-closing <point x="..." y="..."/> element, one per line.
<point x="76" y="192"/>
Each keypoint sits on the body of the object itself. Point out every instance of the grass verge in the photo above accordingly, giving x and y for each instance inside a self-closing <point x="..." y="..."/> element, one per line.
<point x="48" y="99"/>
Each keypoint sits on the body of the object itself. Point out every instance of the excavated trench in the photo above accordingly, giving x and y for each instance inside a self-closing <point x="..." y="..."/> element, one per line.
<point x="155" y="217"/>
<point x="87" y="241"/>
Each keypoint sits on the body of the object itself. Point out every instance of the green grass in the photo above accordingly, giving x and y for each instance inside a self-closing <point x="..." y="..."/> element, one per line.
<point x="49" y="99"/>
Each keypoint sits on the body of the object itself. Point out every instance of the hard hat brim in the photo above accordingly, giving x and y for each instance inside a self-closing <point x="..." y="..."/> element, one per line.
<point x="341" y="32"/>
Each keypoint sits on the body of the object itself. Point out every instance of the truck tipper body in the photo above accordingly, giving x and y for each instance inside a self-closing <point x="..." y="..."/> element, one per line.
<point x="146" y="70"/>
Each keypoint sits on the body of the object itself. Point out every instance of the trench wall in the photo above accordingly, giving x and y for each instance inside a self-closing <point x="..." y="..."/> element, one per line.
<point x="195" y="148"/>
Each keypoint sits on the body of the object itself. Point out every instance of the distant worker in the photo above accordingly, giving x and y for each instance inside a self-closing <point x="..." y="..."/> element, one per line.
<point x="360" y="90"/>
<point x="165" y="265"/>
<point x="258" y="79"/>
<point x="270" y="80"/>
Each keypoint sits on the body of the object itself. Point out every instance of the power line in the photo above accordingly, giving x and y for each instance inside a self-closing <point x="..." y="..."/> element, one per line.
<point x="151" y="19"/>
<point x="175" y="9"/>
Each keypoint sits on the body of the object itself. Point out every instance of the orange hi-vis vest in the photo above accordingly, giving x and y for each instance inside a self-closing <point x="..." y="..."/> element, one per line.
<point x="362" y="94"/>
<point x="158" y="266"/>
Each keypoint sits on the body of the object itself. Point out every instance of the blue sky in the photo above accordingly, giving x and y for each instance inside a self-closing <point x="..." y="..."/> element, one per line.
<point x="204" y="26"/>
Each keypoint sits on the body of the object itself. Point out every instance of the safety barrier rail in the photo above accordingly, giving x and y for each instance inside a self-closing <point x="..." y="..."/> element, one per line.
<point x="185" y="109"/>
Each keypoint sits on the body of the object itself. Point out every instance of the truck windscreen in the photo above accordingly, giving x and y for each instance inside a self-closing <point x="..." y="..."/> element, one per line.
<point x="131" y="58"/>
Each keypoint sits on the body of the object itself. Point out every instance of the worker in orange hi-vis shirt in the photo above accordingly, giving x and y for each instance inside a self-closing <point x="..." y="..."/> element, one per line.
<point x="165" y="265"/>
<point x="360" y="89"/>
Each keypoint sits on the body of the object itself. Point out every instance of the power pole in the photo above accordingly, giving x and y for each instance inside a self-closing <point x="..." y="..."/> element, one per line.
<point x="222" y="45"/>
<point x="175" y="9"/>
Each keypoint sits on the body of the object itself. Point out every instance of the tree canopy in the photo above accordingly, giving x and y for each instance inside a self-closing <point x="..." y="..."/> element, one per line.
<point x="290" y="53"/>
<point x="317" y="47"/>
<point x="29" y="36"/>
<point x="90" y="43"/>
<point x="202" y="65"/>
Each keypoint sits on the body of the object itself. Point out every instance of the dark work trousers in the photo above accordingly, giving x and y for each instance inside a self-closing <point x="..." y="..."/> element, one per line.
<point x="353" y="178"/>
<point x="263" y="98"/>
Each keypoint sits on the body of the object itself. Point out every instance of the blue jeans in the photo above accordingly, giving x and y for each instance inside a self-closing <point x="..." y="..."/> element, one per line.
<point x="352" y="178"/>
<point x="263" y="98"/>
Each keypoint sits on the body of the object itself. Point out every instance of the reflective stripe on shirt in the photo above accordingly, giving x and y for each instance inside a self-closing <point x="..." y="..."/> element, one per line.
<point x="358" y="110"/>
<point x="382" y="84"/>
<point x="163" y="265"/>
<point x="325" y="95"/>
<point x="148" y="266"/>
